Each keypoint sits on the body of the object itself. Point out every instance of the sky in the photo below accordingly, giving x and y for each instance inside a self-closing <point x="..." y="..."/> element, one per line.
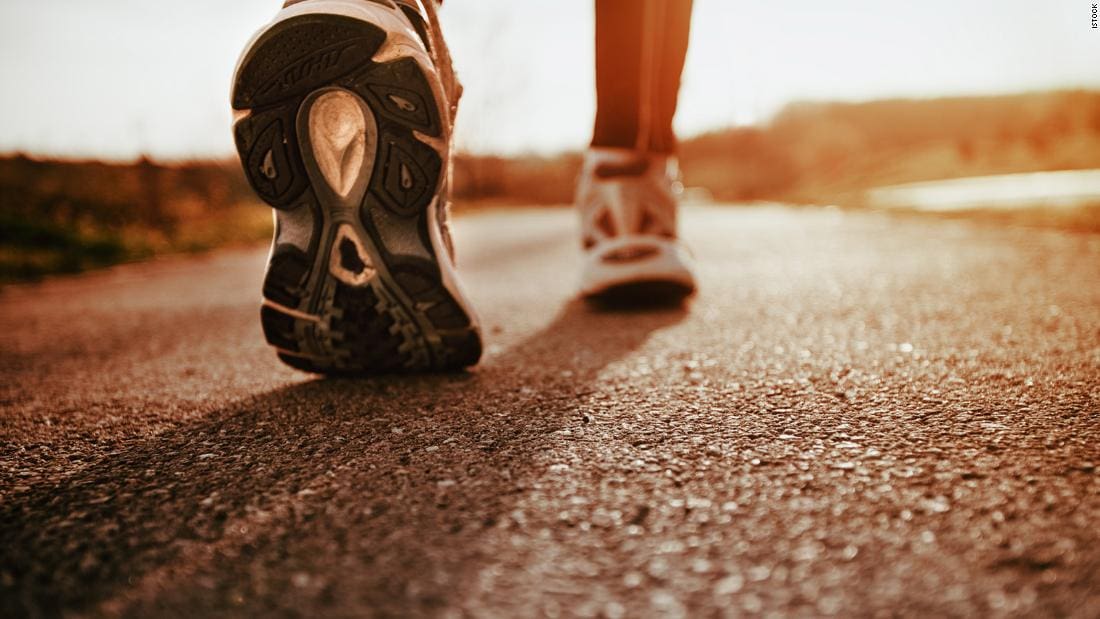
<point x="117" y="78"/>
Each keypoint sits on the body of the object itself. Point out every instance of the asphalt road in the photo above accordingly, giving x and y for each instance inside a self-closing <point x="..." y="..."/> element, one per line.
<point x="860" y="414"/>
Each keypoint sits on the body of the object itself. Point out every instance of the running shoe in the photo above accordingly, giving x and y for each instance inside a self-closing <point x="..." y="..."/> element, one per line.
<point x="343" y="117"/>
<point x="628" y="202"/>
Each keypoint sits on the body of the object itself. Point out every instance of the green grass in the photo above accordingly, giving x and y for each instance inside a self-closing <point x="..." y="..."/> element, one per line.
<point x="33" y="249"/>
<point x="61" y="217"/>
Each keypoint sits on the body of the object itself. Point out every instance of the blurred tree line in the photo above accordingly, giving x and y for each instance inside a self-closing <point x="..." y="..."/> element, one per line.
<point x="70" y="215"/>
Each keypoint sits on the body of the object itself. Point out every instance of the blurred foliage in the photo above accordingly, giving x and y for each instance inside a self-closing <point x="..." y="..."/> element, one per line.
<point x="66" y="216"/>
<point x="831" y="152"/>
<point x="521" y="181"/>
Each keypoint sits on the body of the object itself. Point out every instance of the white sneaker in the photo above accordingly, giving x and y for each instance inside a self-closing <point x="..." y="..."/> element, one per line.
<point x="344" y="111"/>
<point x="627" y="202"/>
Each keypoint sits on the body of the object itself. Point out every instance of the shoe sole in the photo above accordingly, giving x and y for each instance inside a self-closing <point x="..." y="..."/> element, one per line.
<point x="660" y="277"/>
<point x="644" y="294"/>
<point x="352" y="154"/>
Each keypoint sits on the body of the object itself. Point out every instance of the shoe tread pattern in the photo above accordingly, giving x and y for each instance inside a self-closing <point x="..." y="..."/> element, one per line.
<point x="357" y="329"/>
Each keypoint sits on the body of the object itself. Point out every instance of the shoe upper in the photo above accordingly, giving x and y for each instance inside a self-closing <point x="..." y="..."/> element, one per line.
<point x="627" y="202"/>
<point x="623" y="194"/>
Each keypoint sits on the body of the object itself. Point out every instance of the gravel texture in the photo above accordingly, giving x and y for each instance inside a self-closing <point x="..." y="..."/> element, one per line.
<point x="859" y="415"/>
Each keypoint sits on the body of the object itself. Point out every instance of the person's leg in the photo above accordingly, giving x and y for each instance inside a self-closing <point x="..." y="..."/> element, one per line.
<point x="640" y="50"/>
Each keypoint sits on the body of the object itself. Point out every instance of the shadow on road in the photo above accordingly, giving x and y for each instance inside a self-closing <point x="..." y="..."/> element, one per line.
<point x="397" y="478"/>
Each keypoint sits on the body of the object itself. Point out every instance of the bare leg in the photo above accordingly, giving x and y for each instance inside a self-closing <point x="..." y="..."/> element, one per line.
<point x="640" y="50"/>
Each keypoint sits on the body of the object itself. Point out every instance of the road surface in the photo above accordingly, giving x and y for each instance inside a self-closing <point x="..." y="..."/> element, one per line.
<point x="861" y="414"/>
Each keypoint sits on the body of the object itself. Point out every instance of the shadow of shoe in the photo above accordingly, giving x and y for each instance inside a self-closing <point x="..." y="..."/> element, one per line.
<point x="398" y="476"/>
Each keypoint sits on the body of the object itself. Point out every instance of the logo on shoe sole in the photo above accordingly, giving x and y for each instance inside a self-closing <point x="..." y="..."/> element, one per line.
<point x="304" y="73"/>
